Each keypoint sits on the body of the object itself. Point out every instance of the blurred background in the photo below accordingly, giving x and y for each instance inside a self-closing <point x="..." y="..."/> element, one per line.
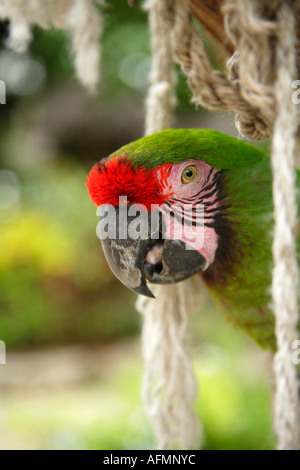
<point x="74" y="368"/>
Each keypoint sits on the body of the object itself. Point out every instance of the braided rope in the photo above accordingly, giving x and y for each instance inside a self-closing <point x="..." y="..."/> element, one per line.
<point x="169" y="386"/>
<point x="285" y="283"/>
<point x="161" y="97"/>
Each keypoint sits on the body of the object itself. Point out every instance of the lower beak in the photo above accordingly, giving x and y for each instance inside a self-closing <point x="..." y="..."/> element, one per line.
<point x="153" y="260"/>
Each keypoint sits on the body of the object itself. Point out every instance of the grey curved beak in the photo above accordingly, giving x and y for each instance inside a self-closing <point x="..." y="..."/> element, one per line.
<point x="152" y="260"/>
<point x="126" y="258"/>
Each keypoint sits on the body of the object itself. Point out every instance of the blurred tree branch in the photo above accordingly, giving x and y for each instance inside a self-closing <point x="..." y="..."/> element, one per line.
<point x="209" y="14"/>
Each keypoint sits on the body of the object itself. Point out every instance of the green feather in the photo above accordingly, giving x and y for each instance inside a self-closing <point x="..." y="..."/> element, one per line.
<point x="175" y="145"/>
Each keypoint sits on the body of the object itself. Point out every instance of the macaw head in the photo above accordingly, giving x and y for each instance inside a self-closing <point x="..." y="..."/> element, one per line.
<point x="161" y="203"/>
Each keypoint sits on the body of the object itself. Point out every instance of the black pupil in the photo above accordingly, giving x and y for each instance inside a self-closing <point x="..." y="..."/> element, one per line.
<point x="189" y="173"/>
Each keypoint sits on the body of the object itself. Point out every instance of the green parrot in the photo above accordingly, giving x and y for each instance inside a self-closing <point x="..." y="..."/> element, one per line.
<point x="178" y="175"/>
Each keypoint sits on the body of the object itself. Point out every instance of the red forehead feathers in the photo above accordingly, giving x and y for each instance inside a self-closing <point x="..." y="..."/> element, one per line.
<point x="118" y="177"/>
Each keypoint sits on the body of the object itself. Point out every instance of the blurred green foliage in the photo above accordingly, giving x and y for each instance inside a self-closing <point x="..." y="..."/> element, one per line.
<point x="234" y="404"/>
<point x="55" y="286"/>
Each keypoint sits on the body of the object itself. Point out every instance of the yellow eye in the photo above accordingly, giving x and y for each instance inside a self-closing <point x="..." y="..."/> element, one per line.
<point x="189" y="174"/>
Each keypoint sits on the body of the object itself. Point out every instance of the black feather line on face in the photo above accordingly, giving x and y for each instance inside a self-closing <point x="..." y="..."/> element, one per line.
<point x="209" y="190"/>
<point x="228" y="247"/>
<point x="212" y="185"/>
<point x="208" y="176"/>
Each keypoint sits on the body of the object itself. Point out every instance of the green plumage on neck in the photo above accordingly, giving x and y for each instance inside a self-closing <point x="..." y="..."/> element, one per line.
<point x="240" y="278"/>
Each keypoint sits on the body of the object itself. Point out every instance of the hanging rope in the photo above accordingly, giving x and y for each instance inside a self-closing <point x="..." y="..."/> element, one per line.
<point x="169" y="386"/>
<point x="285" y="285"/>
<point x="161" y="97"/>
<point x="79" y="17"/>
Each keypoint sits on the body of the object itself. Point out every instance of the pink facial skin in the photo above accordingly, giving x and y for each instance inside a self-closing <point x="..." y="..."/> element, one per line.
<point x="185" y="196"/>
